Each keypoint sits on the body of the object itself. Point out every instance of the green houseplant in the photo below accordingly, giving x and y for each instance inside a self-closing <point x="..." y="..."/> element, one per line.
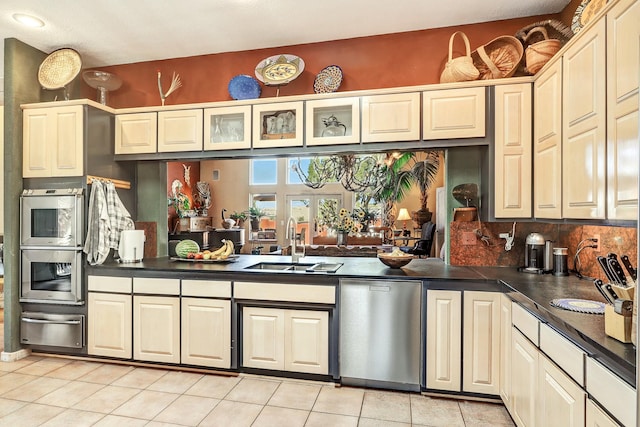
<point x="238" y="217"/>
<point x="255" y="213"/>
<point x="424" y="173"/>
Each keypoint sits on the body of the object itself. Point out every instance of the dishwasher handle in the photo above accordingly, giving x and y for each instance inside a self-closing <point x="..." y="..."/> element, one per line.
<point x="380" y="288"/>
<point x="57" y="322"/>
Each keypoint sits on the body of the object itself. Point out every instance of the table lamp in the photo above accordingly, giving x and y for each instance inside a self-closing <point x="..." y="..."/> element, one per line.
<point x="403" y="215"/>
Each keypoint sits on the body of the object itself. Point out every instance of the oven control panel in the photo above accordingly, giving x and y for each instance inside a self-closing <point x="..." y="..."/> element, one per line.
<point x="52" y="191"/>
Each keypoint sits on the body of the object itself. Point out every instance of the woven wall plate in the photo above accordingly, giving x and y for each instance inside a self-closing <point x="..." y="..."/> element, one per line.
<point x="59" y="68"/>
<point x="328" y="79"/>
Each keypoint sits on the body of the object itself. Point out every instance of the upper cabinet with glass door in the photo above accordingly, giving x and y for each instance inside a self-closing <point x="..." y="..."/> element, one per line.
<point x="278" y="125"/>
<point x="227" y="128"/>
<point x="333" y="121"/>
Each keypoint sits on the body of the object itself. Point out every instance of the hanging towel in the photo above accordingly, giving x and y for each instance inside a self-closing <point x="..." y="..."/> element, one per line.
<point x="96" y="246"/>
<point x="119" y="217"/>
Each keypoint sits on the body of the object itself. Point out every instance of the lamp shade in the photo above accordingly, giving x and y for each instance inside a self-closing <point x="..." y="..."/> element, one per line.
<point x="403" y="215"/>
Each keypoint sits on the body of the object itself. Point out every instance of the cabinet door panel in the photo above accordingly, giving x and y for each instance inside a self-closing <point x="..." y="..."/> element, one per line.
<point x="263" y="338"/>
<point x="505" y="351"/>
<point x="206" y="332"/>
<point x="596" y="417"/>
<point x="136" y="133"/>
<point x="584" y="127"/>
<point x="560" y="401"/>
<point x="306" y="339"/>
<point x="109" y="325"/>
<point x="623" y="64"/>
<point x="156" y="329"/>
<point x="513" y="151"/>
<point x="454" y="113"/>
<point x="36" y="127"/>
<point x="69" y="147"/>
<point x="481" y="337"/>
<point x="180" y="131"/>
<point x="547" y="145"/>
<point x="391" y="117"/>
<point x="444" y="348"/>
<point x="524" y="380"/>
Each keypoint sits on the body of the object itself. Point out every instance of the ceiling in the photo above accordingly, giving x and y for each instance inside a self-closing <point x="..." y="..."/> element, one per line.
<point x="111" y="32"/>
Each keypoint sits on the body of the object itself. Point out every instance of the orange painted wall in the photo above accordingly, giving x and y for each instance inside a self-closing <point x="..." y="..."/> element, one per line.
<point x="383" y="61"/>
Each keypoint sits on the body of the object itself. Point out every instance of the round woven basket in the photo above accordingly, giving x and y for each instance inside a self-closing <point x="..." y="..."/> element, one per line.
<point x="499" y="58"/>
<point x="59" y="68"/>
<point x="539" y="53"/>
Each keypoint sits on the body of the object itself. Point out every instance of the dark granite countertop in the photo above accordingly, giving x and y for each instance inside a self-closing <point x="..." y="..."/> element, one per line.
<point x="533" y="291"/>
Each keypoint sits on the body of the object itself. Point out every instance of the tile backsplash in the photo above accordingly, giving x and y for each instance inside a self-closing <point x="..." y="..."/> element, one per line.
<point x="621" y="240"/>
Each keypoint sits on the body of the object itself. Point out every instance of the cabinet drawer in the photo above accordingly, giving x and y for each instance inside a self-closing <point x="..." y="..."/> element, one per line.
<point x="611" y="392"/>
<point x="526" y="322"/>
<point x="564" y="353"/>
<point x="285" y="292"/>
<point x="144" y="285"/>
<point x="119" y="285"/>
<point x="206" y="288"/>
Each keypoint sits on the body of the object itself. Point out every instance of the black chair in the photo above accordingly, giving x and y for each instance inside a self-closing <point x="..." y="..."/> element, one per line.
<point x="422" y="247"/>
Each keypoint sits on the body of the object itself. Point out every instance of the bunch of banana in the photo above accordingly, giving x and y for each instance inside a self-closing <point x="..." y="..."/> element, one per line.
<point x="224" y="251"/>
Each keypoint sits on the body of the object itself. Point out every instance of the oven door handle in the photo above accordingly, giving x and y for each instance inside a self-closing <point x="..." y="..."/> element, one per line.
<point x="57" y="322"/>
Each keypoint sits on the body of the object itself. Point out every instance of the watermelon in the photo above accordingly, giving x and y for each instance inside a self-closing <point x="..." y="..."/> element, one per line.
<point x="185" y="247"/>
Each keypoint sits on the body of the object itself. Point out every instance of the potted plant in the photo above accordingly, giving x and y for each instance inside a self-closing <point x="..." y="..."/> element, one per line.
<point x="255" y="213"/>
<point x="239" y="218"/>
<point x="424" y="173"/>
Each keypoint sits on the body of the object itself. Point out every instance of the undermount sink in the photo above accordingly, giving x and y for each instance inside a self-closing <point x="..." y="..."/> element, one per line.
<point x="323" y="267"/>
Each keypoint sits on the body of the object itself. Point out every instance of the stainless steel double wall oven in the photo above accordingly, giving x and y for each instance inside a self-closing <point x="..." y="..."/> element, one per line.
<point x="52" y="227"/>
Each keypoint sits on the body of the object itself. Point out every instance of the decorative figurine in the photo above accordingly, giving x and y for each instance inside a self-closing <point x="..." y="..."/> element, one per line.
<point x="175" y="84"/>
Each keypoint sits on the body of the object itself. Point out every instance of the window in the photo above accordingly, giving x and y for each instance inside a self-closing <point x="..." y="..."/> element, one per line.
<point x="264" y="208"/>
<point x="264" y="172"/>
<point x="292" y="176"/>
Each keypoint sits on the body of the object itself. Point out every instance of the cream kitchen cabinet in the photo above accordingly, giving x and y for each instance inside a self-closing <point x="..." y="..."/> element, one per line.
<point x="285" y="340"/>
<point x="53" y="142"/>
<point x="524" y="380"/>
<point x="206" y="323"/>
<point x="505" y="351"/>
<point x="623" y="64"/>
<point x="614" y="394"/>
<point x="513" y="151"/>
<point x="109" y="317"/>
<point x="596" y="417"/>
<point x="136" y="133"/>
<point x="180" y="130"/>
<point x="156" y="320"/>
<point x="394" y="117"/>
<point x="584" y="126"/>
<point x="547" y="143"/>
<point x="444" y="341"/>
<point x="332" y="121"/>
<point x="278" y="125"/>
<point x="453" y="113"/>
<point x="227" y="128"/>
<point x="560" y="400"/>
<point x="447" y="369"/>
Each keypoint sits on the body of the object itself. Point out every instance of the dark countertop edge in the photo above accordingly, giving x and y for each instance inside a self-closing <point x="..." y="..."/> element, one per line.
<point x="531" y="291"/>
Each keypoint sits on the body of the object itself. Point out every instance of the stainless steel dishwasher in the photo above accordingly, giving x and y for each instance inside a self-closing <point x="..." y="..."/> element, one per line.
<point x="380" y="333"/>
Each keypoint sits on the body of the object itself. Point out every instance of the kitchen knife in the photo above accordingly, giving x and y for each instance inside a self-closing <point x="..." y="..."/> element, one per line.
<point x="609" y="290"/>
<point x="616" y="270"/>
<point x="599" y="284"/>
<point x="605" y="267"/>
<point x="633" y="273"/>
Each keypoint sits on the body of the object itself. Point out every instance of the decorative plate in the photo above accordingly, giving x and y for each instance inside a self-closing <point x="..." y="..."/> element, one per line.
<point x="59" y="68"/>
<point x="328" y="79"/>
<point x="244" y="87"/>
<point x="279" y="69"/>
<point x="579" y="305"/>
<point x="585" y="13"/>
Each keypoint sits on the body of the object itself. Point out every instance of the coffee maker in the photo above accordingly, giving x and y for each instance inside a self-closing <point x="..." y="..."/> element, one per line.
<point x="534" y="254"/>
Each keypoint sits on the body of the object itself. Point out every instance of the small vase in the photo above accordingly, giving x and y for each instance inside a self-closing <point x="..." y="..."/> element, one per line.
<point x="342" y="238"/>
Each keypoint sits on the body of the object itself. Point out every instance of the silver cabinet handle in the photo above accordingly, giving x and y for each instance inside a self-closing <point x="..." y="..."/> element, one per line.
<point x="57" y="322"/>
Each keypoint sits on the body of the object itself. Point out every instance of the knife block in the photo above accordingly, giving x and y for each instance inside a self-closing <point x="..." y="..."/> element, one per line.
<point x="616" y="325"/>
<point x="625" y="292"/>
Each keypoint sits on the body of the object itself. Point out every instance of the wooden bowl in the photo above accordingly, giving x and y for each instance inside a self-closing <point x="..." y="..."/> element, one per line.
<point x="395" y="261"/>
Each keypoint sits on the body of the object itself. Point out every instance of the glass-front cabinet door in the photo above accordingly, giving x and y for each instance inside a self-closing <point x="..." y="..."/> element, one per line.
<point x="227" y="128"/>
<point x="333" y="121"/>
<point x="278" y="125"/>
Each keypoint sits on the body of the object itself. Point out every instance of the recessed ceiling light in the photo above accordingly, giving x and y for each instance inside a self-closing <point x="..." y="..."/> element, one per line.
<point x="28" y="20"/>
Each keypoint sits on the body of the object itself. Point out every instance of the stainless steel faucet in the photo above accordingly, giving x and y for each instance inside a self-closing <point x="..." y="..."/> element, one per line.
<point x="292" y="229"/>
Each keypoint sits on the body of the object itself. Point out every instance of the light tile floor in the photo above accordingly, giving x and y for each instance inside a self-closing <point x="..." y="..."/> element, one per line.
<point x="45" y="391"/>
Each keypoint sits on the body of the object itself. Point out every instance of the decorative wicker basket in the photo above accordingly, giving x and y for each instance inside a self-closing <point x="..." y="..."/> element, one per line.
<point x="460" y="69"/>
<point x="499" y="58"/>
<point x="539" y="53"/>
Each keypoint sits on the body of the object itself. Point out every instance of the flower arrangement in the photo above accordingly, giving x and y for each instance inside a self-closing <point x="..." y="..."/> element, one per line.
<point x="349" y="222"/>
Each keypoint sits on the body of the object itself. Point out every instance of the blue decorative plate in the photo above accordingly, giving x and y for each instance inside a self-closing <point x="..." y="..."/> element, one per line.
<point x="579" y="305"/>
<point x="244" y="87"/>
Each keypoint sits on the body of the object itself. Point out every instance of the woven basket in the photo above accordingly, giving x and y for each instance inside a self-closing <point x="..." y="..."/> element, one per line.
<point x="460" y="69"/>
<point x="499" y="58"/>
<point x="539" y="53"/>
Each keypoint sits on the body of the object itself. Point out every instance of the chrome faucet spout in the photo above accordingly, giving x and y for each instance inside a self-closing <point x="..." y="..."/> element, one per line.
<point x="292" y="229"/>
